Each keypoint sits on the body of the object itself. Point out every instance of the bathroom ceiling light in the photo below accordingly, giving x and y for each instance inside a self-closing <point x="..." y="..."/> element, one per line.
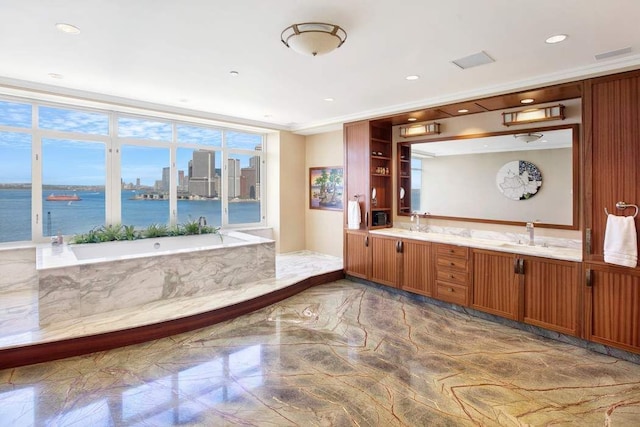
<point x="67" y="28"/>
<point x="313" y="38"/>
<point x="420" y="130"/>
<point x="234" y="73"/>
<point x="412" y="77"/>
<point x="528" y="137"/>
<point x="411" y="119"/>
<point x="463" y="110"/>
<point x="55" y="76"/>
<point x="527" y="101"/>
<point x="329" y="99"/>
<point x="556" y="39"/>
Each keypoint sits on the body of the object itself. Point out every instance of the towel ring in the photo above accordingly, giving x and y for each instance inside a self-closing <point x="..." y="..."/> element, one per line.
<point x="623" y="205"/>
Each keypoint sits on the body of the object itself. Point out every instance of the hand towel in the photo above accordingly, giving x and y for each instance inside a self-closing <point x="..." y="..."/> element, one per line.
<point x="621" y="241"/>
<point x="353" y="215"/>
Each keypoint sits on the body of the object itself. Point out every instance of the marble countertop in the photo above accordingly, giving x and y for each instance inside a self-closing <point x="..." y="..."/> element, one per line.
<point x="566" y="254"/>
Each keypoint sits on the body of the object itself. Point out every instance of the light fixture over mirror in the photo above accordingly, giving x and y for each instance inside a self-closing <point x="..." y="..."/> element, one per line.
<point x="313" y="38"/>
<point x="533" y="115"/>
<point x="420" y="130"/>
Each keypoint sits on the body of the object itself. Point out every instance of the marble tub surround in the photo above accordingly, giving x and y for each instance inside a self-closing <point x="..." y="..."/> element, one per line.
<point x="338" y="354"/>
<point x="75" y="291"/>
<point x="556" y="248"/>
<point x="19" y="322"/>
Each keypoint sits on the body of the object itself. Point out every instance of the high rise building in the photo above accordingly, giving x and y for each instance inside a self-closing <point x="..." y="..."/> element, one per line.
<point x="202" y="170"/>
<point x="233" y="175"/>
<point x="166" y="179"/>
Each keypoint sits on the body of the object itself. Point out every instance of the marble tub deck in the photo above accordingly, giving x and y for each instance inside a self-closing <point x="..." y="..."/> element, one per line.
<point x="340" y="354"/>
<point x="19" y="316"/>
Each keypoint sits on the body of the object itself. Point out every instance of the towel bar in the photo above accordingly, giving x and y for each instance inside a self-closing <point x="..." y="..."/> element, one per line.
<point x="624" y="205"/>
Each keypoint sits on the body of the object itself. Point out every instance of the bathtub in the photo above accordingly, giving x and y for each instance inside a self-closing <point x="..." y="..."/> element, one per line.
<point x="82" y="280"/>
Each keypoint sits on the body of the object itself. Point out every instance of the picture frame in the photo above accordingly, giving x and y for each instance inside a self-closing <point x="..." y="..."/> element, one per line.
<point x="326" y="188"/>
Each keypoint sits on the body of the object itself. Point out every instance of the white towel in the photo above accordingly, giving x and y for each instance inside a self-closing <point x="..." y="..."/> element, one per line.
<point x="621" y="241"/>
<point x="353" y="215"/>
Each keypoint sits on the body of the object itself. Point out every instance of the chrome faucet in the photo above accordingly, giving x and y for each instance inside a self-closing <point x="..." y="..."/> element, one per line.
<point x="415" y="216"/>
<point x="202" y="221"/>
<point x="530" y="229"/>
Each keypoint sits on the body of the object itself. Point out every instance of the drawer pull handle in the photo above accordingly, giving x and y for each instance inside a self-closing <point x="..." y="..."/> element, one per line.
<point x="452" y="263"/>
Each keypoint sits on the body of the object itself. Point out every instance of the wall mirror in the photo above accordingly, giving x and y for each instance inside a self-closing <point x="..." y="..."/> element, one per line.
<point x="501" y="177"/>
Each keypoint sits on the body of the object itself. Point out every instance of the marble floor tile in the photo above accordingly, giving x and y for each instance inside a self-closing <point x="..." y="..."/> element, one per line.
<point x="341" y="354"/>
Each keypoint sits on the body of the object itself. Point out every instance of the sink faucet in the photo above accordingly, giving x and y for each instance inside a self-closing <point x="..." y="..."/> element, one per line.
<point x="202" y="221"/>
<point x="530" y="229"/>
<point x="415" y="216"/>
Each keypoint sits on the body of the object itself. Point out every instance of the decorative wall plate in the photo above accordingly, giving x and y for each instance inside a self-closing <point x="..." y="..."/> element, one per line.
<point x="519" y="180"/>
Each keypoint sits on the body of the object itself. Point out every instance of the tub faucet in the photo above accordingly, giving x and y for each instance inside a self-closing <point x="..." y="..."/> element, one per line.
<point x="530" y="229"/>
<point x="202" y="221"/>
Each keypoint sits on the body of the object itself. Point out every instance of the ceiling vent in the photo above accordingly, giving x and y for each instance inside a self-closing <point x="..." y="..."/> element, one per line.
<point x="474" y="60"/>
<point x="613" y="53"/>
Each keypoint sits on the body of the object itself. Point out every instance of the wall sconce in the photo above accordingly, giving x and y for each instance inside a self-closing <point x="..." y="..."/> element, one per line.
<point x="420" y="130"/>
<point x="532" y="115"/>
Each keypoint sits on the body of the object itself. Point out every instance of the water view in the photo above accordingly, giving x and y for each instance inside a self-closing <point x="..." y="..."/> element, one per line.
<point x="74" y="217"/>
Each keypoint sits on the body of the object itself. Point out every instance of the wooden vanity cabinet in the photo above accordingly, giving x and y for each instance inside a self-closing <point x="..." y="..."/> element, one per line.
<point x="417" y="267"/>
<point x="551" y="294"/>
<point x="497" y="284"/>
<point x="356" y="253"/>
<point x="385" y="259"/>
<point x="452" y="273"/>
<point x="612" y="306"/>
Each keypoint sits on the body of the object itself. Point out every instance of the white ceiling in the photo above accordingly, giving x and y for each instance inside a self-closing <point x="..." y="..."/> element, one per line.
<point x="179" y="53"/>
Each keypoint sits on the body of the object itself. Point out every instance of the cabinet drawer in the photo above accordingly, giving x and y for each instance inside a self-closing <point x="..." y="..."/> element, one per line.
<point x="451" y="293"/>
<point x="452" y="250"/>
<point x="455" y="277"/>
<point x="452" y="263"/>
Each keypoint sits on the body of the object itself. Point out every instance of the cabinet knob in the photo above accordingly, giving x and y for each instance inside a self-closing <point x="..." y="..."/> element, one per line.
<point x="451" y="251"/>
<point x="451" y="276"/>
<point x="452" y="263"/>
<point x="450" y="289"/>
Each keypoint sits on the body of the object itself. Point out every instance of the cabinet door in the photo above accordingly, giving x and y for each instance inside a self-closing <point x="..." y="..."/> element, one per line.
<point x="417" y="267"/>
<point x="384" y="260"/>
<point x="612" y="137"/>
<point x="551" y="294"/>
<point x="356" y="169"/>
<point x="613" y="307"/>
<point x="356" y="254"/>
<point x="496" y="286"/>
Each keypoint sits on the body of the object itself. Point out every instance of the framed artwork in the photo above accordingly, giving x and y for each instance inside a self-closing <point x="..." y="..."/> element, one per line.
<point x="519" y="180"/>
<point x="326" y="188"/>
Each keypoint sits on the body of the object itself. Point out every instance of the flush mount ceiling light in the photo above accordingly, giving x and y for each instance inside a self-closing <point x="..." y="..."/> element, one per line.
<point x="412" y="77"/>
<point x="313" y="38"/>
<point x="463" y="110"/>
<point x="528" y="137"/>
<point x="411" y="119"/>
<point x="527" y="101"/>
<point x="67" y="28"/>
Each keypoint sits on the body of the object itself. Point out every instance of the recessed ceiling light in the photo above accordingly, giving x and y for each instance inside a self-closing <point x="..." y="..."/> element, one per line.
<point x="56" y="76"/>
<point x="329" y="99"/>
<point x="183" y="100"/>
<point x="234" y="73"/>
<point x="267" y="116"/>
<point x="412" y="77"/>
<point x="527" y="101"/>
<point x="67" y="28"/>
<point x="556" y="39"/>
<point x="463" y="110"/>
<point x="411" y="119"/>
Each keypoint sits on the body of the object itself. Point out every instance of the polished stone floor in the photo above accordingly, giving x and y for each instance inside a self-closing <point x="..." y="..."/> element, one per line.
<point x="341" y="354"/>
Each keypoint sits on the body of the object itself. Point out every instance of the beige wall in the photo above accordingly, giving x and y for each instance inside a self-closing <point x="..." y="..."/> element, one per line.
<point x="286" y="190"/>
<point x="324" y="229"/>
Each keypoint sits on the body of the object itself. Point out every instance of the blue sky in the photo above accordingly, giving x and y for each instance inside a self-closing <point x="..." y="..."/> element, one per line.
<point x="78" y="162"/>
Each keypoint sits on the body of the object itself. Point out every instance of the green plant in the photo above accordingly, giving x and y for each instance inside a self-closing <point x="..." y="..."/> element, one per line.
<point x="111" y="232"/>
<point x="156" y="230"/>
<point x="92" y="236"/>
<point x="129" y="232"/>
<point x="191" y="227"/>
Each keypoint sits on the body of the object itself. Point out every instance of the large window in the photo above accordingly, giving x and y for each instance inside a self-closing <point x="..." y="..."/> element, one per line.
<point x="74" y="169"/>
